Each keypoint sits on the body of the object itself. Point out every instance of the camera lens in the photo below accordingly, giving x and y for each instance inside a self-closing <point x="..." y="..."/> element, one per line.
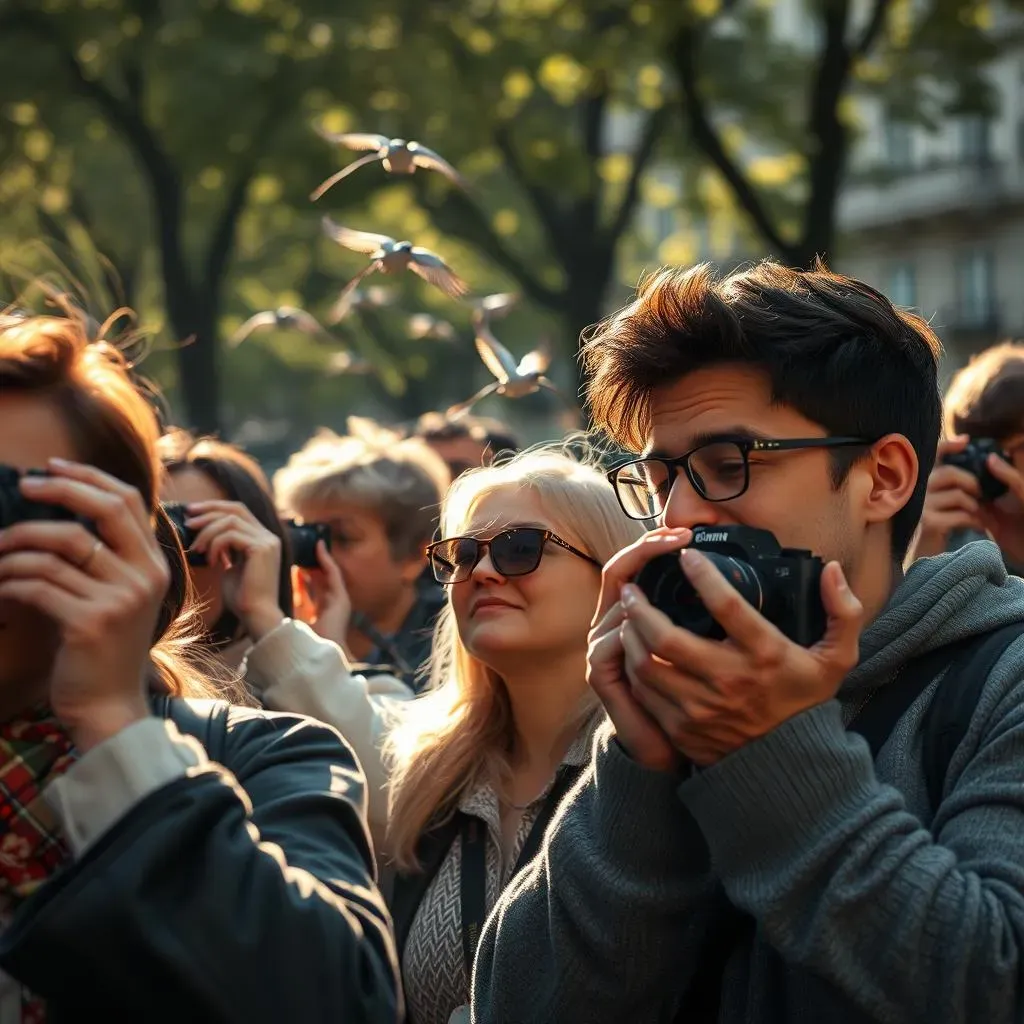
<point x="666" y="586"/>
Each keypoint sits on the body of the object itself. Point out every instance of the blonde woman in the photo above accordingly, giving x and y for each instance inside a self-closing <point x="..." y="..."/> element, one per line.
<point x="474" y="767"/>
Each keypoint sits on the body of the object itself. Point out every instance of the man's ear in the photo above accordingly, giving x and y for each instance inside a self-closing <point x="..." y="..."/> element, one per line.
<point x="887" y="476"/>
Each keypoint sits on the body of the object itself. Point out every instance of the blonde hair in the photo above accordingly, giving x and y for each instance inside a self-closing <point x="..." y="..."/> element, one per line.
<point x="461" y="730"/>
<point x="402" y="480"/>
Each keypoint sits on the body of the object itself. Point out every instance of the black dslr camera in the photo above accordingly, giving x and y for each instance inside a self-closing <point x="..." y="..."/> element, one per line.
<point x="16" y="508"/>
<point x="783" y="584"/>
<point x="302" y="538"/>
<point x="973" y="459"/>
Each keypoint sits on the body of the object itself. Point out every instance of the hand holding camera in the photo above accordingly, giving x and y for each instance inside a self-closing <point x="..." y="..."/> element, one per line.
<point x="321" y="600"/>
<point x="707" y="695"/>
<point x="970" y="476"/>
<point x="227" y="535"/>
<point x="78" y="546"/>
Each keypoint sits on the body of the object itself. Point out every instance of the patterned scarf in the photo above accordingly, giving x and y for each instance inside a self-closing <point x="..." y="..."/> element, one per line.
<point x="34" y="750"/>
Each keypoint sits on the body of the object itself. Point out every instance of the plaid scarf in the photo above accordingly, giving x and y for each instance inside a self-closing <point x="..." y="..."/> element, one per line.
<point x="34" y="750"/>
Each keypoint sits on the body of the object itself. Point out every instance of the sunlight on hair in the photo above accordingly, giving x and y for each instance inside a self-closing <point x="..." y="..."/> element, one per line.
<point x="461" y="728"/>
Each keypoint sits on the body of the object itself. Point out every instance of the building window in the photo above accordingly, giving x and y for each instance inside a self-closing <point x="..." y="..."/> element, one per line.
<point x="902" y="287"/>
<point x="899" y="145"/>
<point x="975" y="139"/>
<point x="976" y="287"/>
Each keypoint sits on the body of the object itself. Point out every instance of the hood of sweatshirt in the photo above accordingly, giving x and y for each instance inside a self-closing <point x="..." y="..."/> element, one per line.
<point x="942" y="599"/>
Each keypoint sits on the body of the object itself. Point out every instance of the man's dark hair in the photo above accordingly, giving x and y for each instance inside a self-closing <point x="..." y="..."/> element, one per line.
<point x="833" y="348"/>
<point x="986" y="397"/>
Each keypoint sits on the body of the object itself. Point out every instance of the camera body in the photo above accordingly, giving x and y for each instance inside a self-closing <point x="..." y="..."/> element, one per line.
<point x="973" y="459"/>
<point x="302" y="538"/>
<point x="783" y="584"/>
<point x="16" y="508"/>
<point x="177" y="513"/>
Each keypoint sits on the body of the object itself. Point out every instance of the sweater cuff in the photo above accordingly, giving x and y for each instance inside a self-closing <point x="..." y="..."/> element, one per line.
<point x="636" y="809"/>
<point x="775" y="796"/>
<point x="107" y="782"/>
<point x="288" y="648"/>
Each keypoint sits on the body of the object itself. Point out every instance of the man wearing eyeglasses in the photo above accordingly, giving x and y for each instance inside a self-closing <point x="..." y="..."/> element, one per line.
<point x="762" y="836"/>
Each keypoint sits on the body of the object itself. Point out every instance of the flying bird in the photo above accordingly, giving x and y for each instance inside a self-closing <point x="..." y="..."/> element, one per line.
<point x="496" y="305"/>
<point x="423" y="326"/>
<point x="389" y="257"/>
<point x="284" y="318"/>
<point x="397" y="156"/>
<point x="358" y="299"/>
<point x="344" y="362"/>
<point x="512" y="379"/>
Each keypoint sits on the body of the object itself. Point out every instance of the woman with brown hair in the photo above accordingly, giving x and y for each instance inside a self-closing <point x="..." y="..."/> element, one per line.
<point x="230" y="509"/>
<point x="161" y="858"/>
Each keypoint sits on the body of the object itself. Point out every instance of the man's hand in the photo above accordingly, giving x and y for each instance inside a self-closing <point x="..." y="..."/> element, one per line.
<point x="1006" y="524"/>
<point x="321" y="600"/>
<point x="638" y="733"/>
<point x="712" y="697"/>
<point x="952" y="502"/>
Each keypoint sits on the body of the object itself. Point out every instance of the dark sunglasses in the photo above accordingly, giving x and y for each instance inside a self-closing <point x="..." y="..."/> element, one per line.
<point x="515" y="552"/>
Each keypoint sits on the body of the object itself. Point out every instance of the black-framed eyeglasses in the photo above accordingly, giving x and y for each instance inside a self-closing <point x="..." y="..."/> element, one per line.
<point x="718" y="470"/>
<point x="515" y="552"/>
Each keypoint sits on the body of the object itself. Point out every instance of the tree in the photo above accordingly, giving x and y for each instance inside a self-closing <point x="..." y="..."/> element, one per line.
<point x="554" y="75"/>
<point x="749" y="97"/>
<point x="183" y="131"/>
<point x="185" y="104"/>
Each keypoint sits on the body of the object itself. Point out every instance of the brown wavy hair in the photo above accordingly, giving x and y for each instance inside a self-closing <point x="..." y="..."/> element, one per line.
<point x="114" y="428"/>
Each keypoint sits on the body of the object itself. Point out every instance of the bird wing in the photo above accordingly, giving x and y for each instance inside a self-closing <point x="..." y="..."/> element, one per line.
<point x="356" y="140"/>
<point x="456" y="412"/>
<point x="328" y="183"/>
<point x="304" y="321"/>
<point x="358" y="241"/>
<point x="498" y="303"/>
<point x="536" y="361"/>
<point x="549" y="386"/>
<point x="495" y="356"/>
<point x="431" y="161"/>
<point x="254" y="323"/>
<point x="432" y="268"/>
<point x="344" y="300"/>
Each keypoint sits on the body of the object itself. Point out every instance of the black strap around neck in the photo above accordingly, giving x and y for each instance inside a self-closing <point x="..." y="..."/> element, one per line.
<point x="473" y="883"/>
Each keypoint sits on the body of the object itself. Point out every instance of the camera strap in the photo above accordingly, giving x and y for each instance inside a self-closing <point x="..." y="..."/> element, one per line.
<point x="473" y="883"/>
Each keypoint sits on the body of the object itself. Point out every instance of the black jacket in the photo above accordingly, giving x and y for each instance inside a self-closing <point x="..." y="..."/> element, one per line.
<point x="240" y="895"/>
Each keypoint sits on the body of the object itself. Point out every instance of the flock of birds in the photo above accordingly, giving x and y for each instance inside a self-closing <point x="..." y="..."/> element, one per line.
<point x="512" y="378"/>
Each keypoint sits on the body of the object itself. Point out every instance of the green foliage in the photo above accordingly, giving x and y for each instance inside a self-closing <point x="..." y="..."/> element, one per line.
<point x="176" y="139"/>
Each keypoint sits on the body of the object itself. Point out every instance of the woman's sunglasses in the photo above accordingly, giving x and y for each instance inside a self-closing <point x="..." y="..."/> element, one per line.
<point x="514" y="552"/>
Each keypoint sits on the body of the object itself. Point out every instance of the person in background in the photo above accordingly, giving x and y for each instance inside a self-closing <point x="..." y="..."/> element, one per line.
<point x="380" y="494"/>
<point x="245" y="587"/>
<point x="479" y="762"/>
<point x="161" y="857"/>
<point x="465" y="443"/>
<point x="249" y="601"/>
<point x="985" y="400"/>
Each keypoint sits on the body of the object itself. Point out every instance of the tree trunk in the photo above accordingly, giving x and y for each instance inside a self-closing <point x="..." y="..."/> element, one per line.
<point x="194" y="322"/>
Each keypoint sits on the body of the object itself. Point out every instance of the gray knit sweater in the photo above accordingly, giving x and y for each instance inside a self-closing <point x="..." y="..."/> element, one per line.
<point x="867" y="909"/>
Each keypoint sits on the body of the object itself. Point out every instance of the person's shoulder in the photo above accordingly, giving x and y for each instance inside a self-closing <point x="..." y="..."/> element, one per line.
<point x="236" y="735"/>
